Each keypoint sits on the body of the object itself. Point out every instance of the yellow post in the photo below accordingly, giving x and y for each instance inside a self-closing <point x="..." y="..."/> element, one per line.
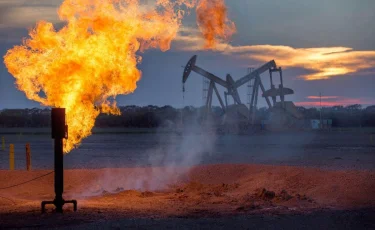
<point x="28" y="157"/>
<point x="11" y="157"/>
<point x="3" y="143"/>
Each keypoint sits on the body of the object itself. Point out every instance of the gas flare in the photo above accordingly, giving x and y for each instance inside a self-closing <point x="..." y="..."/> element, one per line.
<point x="93" y="58"/>
<point x="213" y="21"/>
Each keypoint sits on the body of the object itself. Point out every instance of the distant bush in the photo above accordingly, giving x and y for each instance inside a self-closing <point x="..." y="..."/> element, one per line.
<point x="154" y="116"/>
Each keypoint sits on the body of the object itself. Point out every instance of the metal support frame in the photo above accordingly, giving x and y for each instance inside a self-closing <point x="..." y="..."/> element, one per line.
<point x="232" y="86"/>
<point x="256" y="95"/>
<point x="209" y="97"/>
<point x="254" y="100"/>
<point x="59" y="132"/>
<point x="190" y="66"/>
<point x="263" y="91"/>
<point x="229" y="84"/>
<point x="281" y="85"/>
<point x="250" y="88"/>
<point x="232" y="90"/>
<point x="218" y="97"/>
<point x="206" y="84"/>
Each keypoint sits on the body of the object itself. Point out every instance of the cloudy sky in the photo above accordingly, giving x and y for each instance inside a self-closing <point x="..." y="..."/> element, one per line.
<point x="325" y="47"/>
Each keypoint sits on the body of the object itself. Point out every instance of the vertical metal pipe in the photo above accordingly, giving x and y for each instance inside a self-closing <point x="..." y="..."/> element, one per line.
<point x="255" y="85"/>
<point x="281" y="77"/>
<point x="320" y="97"/>
<point x="226" y="99"/>
<point x="59" y="132"/>
<point x="218" y="97"/>
<point x="271" y="81"/>
<point x="255" y="100"/>
<point x="282" y="97"/>
<point x="59" y="174"/>
<point x="263" y="91"/>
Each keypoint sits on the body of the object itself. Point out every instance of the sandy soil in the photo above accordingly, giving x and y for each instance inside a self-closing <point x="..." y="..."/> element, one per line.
<point x="209" y="191"/>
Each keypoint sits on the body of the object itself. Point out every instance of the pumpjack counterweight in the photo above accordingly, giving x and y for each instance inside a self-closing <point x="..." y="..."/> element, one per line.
<point x="59" y="132"/>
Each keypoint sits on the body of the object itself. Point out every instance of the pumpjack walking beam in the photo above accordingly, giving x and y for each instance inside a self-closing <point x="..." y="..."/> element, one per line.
<point x="190" y="66"/>
<point x="255" y="73"/>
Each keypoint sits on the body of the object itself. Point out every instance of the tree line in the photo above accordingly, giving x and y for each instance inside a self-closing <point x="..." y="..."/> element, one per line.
<point x="154" y="116"/>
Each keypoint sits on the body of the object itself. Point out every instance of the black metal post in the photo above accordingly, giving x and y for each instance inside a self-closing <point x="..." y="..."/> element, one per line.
<point x="59" y="174"/>
<point x="59" y="132"/>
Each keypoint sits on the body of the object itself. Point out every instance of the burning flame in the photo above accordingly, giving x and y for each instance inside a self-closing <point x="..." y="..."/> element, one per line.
<point x="93" y="58"/>
<point x="213" y="22"/>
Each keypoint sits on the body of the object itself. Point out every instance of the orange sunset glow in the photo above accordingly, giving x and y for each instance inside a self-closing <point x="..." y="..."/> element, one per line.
<point x="324" y="62"/>
<point x="329" y="101"/>
<point x="322" y="97"/>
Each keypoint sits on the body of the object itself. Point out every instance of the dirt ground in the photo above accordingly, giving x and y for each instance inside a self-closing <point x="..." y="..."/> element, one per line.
<point x="221" y="196"/>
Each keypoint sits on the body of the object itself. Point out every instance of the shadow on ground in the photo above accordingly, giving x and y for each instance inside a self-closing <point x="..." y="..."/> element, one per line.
<point x="105" y="219"/>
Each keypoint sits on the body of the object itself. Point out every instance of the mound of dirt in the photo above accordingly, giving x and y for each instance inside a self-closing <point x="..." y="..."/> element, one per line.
<point x="215" y="188"/>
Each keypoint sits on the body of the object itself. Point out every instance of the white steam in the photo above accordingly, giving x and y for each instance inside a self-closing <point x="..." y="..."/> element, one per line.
<point x="168" y="164"/>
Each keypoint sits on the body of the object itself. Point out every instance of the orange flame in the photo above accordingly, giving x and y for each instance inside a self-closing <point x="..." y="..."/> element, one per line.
<point x="93" y="58"/>
<point x="213" y="22"/>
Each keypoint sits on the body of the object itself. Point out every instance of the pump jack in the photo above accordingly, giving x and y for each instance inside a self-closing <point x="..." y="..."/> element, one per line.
<point x="232" y="86"/>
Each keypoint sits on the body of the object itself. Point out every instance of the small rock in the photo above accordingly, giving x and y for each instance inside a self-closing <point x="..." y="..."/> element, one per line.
<point x="248" y="207"/>
<point x="265" y="194"/>
<point x="217" y="193"/>
<point x="241" y="208"/>
<point x="284" y="195"/>
<point x="259" y="192"/>
<point x="179" y="190"/>
<point x="301" y="197"/>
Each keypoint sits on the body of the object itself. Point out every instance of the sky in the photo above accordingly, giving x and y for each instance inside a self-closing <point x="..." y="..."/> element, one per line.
<point x="325" y="47"/>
